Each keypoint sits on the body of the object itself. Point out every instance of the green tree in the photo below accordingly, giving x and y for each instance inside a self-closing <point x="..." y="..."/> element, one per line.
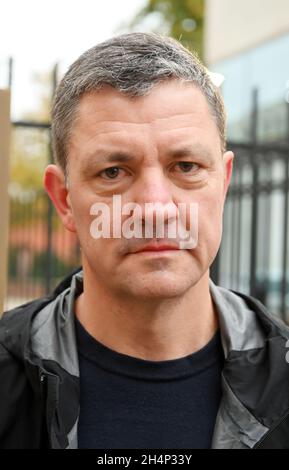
<point x="181" y="19"/>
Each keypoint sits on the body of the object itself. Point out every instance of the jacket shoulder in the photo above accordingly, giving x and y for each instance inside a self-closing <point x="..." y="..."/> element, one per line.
<point x="21" y="315"/>
<point x="16" y="322"/>
<point x="271" y="322"/>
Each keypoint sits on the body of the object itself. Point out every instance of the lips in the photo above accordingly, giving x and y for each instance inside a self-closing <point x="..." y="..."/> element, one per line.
<point x="157" y="247"/>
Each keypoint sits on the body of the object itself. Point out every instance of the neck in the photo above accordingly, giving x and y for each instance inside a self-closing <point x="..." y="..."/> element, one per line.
<point x="157" y="329"/>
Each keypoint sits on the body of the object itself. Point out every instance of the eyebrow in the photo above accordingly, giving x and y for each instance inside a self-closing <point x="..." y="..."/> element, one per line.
<point x="91" y="162"/>
<point x="192" y="150"/>
<point x="89" y="165"/>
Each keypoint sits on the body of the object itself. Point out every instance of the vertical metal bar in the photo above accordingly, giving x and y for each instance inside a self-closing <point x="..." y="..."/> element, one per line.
<point x="254" y="220"/>
<point x="4" y="197"/>
<point x="268" y="234"/>
<point x="26" y="274"/>
<point x="10" y="73"/>
<point x="54" y="79"/>
<point x="233" y="235"/>
<point x="49" y="267"/>
<point x="239" y="222"/>
<point x="50" y="212"/>
<point x="284" y="285"/>
<point x="285" y="243"/>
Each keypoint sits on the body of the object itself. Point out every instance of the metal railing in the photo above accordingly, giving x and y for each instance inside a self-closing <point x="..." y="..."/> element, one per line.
<point x="41" y="251"/>
<point x="254" y="257"/>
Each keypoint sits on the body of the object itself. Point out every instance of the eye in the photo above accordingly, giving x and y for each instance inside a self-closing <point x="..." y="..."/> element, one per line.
<point x="187" y="167"/>
<point x="111" y="172"/>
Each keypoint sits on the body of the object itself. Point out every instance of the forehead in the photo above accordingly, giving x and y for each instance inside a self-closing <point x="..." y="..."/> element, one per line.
<point x="170" y="110"/>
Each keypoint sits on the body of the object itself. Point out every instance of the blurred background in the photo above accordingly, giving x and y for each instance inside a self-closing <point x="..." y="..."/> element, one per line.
<point x="247" y="42"/>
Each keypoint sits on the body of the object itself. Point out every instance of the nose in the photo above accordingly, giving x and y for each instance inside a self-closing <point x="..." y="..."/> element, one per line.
<point x="153" y="193"/>
<point x="153" y="187"/>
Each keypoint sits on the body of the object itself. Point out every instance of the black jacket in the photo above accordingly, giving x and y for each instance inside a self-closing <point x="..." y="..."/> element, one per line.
<point x="39" y="374"/>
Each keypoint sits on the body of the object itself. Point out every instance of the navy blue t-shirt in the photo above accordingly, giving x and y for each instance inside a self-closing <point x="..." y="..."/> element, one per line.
<point x="130" y="403"/>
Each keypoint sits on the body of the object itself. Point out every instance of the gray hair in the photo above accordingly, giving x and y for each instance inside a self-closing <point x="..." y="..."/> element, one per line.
<point x="131" y="63"/>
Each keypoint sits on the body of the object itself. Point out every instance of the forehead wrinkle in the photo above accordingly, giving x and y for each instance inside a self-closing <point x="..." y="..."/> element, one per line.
<point x="190" y="149"/>
<point x="99" y="157"/>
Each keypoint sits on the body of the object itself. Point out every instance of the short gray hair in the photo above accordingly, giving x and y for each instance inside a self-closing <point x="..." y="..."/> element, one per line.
<point x="131" y="63"/>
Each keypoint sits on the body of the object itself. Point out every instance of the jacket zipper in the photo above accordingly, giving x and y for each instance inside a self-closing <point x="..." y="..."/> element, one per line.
<point x="49" y="406"/>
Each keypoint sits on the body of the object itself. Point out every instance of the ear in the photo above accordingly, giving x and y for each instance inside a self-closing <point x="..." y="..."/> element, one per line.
<point x="54" y="183"/>
<point x="228" y="158"/>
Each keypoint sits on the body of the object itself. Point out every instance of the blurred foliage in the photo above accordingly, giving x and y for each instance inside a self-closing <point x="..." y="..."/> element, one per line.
<point x="181" y="19"/>
<point x="43" y="88"/>
<point x="60" y="268"/>
<point x="27" y="207"/>
<point x="38" y="266"/>
<point x="30" y="147"/>
<point x="29" y="203"/>
<point x="29" y="157"/>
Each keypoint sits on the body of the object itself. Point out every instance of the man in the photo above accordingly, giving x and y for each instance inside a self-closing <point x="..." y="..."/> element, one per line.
<point x="140" y="349"/>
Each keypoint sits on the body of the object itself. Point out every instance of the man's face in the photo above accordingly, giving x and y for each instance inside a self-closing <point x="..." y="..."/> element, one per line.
<point x="134" y="147"/>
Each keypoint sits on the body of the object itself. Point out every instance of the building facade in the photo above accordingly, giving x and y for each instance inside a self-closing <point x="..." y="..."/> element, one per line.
<point x="248" y="42"/>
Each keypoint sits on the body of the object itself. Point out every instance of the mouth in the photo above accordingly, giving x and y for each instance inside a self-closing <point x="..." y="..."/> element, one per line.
<point x="157" y="248"/>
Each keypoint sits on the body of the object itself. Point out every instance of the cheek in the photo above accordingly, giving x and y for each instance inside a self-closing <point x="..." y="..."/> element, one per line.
<point x="92" y="248"/>
<point x="210" y="211"/>
<point x="81" y="206"/>
<point x="81" y="213"/>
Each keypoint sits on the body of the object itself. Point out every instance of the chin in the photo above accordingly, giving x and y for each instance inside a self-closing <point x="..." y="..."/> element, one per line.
<point x="159" y="285"/>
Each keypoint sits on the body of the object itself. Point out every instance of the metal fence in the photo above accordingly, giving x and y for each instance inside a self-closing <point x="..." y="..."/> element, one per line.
<point x="253" y="257"/>
<point x="41" y="251"/>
